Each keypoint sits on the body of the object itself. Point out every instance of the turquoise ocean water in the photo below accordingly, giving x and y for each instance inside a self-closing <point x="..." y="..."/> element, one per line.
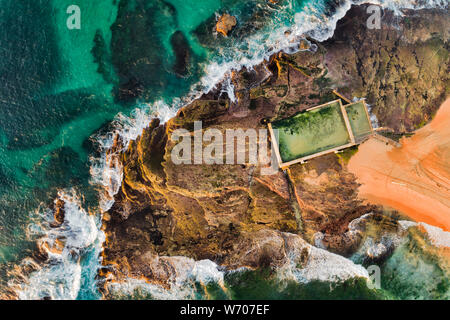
<point x="61" y="90"/>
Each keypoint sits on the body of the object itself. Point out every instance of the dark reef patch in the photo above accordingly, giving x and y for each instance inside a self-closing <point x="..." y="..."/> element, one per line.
<point x="137" y="51"/>
<point x="182" y="51"/>
<point x="102" y="57"/>
<point x="148" y="66"/>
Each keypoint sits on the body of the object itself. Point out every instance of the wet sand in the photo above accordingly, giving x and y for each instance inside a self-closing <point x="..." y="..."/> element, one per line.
<point x="413" y="179"/>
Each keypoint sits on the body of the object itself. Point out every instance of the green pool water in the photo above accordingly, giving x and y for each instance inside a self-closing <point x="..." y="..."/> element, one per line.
<point x="359" y="122"/>
<point x="311" y="132"/>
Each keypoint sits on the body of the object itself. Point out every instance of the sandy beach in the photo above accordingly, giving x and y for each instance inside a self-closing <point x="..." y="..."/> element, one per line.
<point x="413" y="179"/>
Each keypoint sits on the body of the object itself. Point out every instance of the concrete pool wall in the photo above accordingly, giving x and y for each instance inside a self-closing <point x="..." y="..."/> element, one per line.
<point x="319" y="130"/>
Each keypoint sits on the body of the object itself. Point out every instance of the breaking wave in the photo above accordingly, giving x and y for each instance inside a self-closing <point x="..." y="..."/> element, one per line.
<point x="66" y="271"/>
<point x="106" y="170"/>
<point x="188" y="273"/>
<point x="438" y="237"/>
<point x="191" y="278"/>
<point x="74" y="248"/>
<point x="321" y="266"/>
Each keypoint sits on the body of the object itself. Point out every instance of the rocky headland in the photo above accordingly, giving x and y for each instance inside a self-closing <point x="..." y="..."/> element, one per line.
<point x="233" y="215"/>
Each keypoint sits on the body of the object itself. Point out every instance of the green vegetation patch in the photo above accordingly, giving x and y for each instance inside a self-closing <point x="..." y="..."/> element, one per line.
<point x="347" y="154"/>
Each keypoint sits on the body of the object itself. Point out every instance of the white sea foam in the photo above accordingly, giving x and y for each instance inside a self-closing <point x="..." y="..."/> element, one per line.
<point x="228" y="88"/>
<point x="182" y="286"/>
<point x="406" y="224"/>
<point x="321" y="265"/>
<point x="62" y="276"/>
<point x="436" y="235"/>
<point x="106" y="170"/>
<point x="326" y="266"/>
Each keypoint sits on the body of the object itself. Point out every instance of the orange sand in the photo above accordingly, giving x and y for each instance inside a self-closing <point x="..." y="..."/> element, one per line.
<point x="413" y="179"/>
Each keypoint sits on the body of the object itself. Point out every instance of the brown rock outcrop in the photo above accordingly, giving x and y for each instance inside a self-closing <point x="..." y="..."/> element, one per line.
<point x="59" y="213"/>
<point x="225" y="24"/>
<point x="402" y="69"/>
